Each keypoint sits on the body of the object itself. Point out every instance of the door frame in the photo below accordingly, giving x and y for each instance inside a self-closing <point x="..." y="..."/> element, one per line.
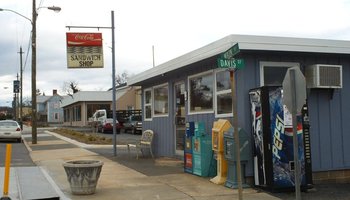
<point x="174" y="106"/>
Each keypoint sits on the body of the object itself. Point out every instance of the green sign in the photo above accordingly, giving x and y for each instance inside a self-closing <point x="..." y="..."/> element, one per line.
<point x="231" y="52"/>
<point x="231" y="63"/>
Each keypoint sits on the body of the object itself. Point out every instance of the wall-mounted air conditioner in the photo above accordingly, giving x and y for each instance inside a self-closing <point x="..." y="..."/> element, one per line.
<point x="324" y="76"/>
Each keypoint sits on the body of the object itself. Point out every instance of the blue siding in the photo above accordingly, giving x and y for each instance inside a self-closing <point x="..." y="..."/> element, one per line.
<point x="345" y="114"/>
<point x="329" y="114"/>
<point x="52" y="110"/>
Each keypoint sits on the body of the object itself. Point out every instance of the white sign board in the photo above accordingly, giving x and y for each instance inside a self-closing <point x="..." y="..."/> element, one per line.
<point x="84" y="50"/>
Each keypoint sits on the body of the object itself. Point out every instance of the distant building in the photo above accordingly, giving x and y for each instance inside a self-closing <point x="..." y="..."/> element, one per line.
<point x="79" y="107"/>
<point x="48" y="108"/>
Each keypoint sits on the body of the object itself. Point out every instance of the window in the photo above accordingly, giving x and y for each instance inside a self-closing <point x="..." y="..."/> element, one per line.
<point x="223" y="94"/>
<point x="56" y="116"/>
<point x="201" y="93"/>
<point x="66" y="113"/>
<point x="160" y="100"/>
<point x="272" y="73"/>
<point x="76" y="113"/>
<point x="148" y="104"/>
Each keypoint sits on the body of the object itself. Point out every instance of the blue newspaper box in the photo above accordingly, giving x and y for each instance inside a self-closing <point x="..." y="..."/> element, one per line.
<point x="188" y="157"/>
<point x="203" y="162"/>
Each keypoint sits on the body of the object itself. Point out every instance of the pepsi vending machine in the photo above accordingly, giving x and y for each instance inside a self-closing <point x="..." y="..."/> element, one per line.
<point x="272" y="132"/>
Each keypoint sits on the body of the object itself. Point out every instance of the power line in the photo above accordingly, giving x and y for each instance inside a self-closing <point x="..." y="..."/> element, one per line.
<point x="27" y="53"/>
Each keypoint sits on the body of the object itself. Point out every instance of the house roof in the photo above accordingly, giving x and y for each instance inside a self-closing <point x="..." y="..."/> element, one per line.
<point x="42" y="99"/>
<point x="245" y="42"/>
<point x="90" y="96"/>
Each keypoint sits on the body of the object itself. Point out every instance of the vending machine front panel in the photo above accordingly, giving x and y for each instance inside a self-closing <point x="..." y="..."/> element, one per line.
<point x="281" y="128"/>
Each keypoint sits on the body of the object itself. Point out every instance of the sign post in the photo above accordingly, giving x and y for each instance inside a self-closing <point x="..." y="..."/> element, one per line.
<point x="227" y="60"/>
<point x="114" y="103"/>
<point x="294" y="97"/>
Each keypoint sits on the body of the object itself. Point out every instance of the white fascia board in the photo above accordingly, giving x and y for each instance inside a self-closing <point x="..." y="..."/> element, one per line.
<point x="189" y="58"/>
<point x="246" y="42"/>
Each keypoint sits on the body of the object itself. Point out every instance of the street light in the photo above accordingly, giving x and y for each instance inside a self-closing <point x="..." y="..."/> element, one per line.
<point x="33" y="22"/>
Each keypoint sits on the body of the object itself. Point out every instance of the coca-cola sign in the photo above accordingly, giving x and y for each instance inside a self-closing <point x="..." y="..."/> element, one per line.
<point x="84" y="50"/>
<point x="84" y="39"/>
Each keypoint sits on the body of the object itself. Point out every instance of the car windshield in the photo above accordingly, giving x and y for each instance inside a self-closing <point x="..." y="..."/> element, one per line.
<point x="136" y="118"/>
<point x="8" y="124"/>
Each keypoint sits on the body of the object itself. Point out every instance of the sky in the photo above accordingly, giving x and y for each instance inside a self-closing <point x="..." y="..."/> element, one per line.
<point x="172" y="27"/>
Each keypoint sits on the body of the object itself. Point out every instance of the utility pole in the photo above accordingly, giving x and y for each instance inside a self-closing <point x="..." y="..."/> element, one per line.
<point x="21" y="89"/>
<point x="34" y="118"/>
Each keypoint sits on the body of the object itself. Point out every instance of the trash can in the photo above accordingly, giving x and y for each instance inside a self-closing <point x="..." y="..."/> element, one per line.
<point x="83" y="175"/>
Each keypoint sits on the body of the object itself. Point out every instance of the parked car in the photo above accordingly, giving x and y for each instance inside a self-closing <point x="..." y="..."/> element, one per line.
<point x="103" y="120"/>
<point x="105" y="126"/>
<point x="10" y="129"/>
<point x="133" y="123"/>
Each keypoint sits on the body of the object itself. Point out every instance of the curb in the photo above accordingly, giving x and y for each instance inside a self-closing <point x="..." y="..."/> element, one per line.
<point x="83" y="145"/>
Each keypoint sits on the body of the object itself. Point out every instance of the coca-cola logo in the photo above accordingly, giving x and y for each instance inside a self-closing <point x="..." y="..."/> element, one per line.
<point x="88" y="36"/>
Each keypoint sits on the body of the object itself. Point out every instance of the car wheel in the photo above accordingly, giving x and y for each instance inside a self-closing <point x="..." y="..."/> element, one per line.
<point x="19" y="140"/>
<point x="118" y="131"/>
<point x="133" y="131"/>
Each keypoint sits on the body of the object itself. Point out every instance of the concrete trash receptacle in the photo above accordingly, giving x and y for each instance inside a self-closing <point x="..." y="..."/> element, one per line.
<point x="83" y="175"/>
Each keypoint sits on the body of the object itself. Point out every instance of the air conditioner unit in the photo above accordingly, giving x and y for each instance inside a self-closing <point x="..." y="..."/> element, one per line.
<point x="324" y="76"/>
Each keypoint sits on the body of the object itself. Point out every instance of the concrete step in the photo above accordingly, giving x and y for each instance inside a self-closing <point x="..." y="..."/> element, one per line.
<point x="29" y="183"/>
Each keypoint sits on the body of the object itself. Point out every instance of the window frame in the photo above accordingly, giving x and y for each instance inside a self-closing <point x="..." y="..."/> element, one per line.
<point x="153" y="100"/>
<point x="189" y="111"/>
<point x="263" y="64"/>
<point x="216" y="93"/>
<point x="147" y="104"/>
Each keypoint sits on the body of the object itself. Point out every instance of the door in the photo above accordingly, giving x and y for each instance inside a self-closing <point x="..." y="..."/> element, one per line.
<point x="180" y="117"/>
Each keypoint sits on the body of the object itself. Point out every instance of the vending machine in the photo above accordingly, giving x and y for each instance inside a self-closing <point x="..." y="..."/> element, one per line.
<point x="272" y="134"/>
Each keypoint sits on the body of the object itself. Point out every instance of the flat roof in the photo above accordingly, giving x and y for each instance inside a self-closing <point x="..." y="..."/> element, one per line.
<point x="246" y="42"/>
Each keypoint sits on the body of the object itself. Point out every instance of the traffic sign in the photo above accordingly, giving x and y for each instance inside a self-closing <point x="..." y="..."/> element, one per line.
<point x="15" y="86"/>
<point x="230" y="63"/>
<point x="294" y="89"/>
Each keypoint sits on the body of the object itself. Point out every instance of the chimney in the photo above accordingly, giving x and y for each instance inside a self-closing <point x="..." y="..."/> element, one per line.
<point x="54" y="92"/>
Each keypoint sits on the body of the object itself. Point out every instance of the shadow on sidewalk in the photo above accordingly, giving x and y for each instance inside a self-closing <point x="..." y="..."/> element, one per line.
<point x="145" y="165"/>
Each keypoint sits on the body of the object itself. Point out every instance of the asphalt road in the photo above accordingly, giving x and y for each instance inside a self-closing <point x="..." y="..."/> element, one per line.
<point x="19" y="154"/>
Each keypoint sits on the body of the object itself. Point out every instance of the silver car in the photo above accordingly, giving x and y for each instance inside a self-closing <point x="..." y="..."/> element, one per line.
<point x="10" y="129"/>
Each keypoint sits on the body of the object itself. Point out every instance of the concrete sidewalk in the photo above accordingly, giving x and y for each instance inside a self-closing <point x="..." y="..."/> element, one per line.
<point x="120" y="182"/>
<point x="124" y="177"/>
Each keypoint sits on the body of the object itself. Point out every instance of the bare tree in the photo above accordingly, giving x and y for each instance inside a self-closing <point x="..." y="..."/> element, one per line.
<point x="121" y="78"/>
<point x="38" y="92"/>
<point x="70" y="87"/>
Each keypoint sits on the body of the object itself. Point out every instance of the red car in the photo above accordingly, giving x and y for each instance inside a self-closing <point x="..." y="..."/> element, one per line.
<point x="106" y="126"/>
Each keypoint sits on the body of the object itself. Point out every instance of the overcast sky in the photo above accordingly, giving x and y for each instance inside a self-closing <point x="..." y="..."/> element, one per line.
<point x="173" y="27"/>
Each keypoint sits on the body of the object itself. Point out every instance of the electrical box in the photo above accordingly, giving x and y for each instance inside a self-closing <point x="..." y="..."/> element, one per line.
<point x="324" y="76"/>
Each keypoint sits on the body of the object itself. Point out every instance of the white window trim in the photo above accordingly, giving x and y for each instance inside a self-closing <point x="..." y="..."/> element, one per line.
<point x="160" y="115"/>
<point x="274" y="64"/>
<point x="148" y="104"/>
<point x="189" y="112"/>
<point x="216" y="93"/>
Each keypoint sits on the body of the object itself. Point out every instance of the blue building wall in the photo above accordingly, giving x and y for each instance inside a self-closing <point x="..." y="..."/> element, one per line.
<point x="53" y="107"/>
<point x="328" y="112"/>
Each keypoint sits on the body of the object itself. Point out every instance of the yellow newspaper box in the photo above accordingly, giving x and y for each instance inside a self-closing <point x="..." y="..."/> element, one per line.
<point x="219" y="127"/>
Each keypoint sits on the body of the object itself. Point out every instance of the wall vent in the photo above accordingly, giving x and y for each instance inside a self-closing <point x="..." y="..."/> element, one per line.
<point x="323" y="76"/>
